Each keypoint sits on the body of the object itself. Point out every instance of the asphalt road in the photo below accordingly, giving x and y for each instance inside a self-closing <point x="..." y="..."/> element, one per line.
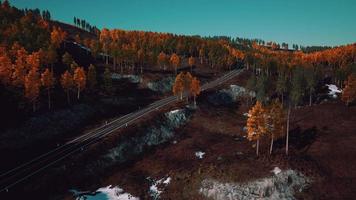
<point x="23" y="172"/>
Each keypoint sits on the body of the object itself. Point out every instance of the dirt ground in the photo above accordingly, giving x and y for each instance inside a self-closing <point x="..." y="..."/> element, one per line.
<point x="321" y="147"/>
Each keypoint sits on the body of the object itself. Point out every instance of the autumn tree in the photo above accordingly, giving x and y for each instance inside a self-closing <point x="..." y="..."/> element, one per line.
<point x="195" y="89"/>
<point x="311" y="81"/>
<point x="5" y="69"/>
<point x="251" y="85"/>
<point x="256" y="125"/>
<point x="175" y="61"/>
<point x="162" y="60"/>
<point x="107" y="80"/>
<point x="51" y="56"/>
<point x="92" y="79"/>
<point x="67" y="83"/>
<point x="191" y="62"/>
<point x="32" y="87"/>
<point x="201" y="55"/>
<point x="67" y="59"/>
<point x="187" y="80"/>
<point x="282" y="85"/>
<point x="349" y="91"/>
<point x="141" y="58"/>
<point x="47" y="81"/>
<point x="19" y="71"/>
<point x="262" y="88"/>
<point x="79" y="79"/>
<point x="57" y="36"/>
<point x="275" y="122"/>
<point x="178" y="86"/>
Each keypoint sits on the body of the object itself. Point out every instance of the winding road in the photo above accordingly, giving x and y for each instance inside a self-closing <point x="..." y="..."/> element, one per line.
<point x="25" y="171"/>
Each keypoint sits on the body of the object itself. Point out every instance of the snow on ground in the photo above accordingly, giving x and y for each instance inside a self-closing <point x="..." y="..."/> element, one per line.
<point x="199" y="154"/>
<point x="106" y="193"/>
<point x="276" y="170"/>
<point x="157" y="187"/>
<point x="174" y="111"/>
<point x="282" y="185"/>
<point x="333" y="90"/>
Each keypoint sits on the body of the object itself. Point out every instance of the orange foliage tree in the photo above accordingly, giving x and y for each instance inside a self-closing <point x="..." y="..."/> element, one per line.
<point x="47" y="81"/>
<point x="175" y="61"/>
<point x="5" y="69"/>
<point x="191" y="62"/>
<point x="349" y="91"/>
<point x="275" y="121"/>
<point x="256" y="124"/>
<point x="79" y="79"/>
<point x="178" y="86"/>
<point x="162" y="60"/>
<point x="67" y="83"/>
<point x="57" y="36"/>
<point x="195" y="89"/>
<point x="32" y="87"/>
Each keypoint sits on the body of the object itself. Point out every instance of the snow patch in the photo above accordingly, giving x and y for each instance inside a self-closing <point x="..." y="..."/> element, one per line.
<point x="174" y="111"/>
<point x="199" y="154"/>
<point x="105" y="193"/>
<point x="281" y="185"/>
<point x="333" y="90"/>
<point x="131" y="78"/>
<point x="157" y="187"/>
<point x="276" y="170"/>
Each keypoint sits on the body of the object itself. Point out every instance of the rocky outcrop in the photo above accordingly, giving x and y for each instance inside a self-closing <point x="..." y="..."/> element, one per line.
<point x="163" y="85"/>
<point x="281" y="185"/>
<point x="160" y="132"/>
<point x="131" y="78"/>
<point x="229" y="96"/>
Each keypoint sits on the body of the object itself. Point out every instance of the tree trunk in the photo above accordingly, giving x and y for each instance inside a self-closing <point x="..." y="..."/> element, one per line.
<point x="195" y="102"/>
<point x="34" y="106"/>
<point x="49" y="99"/>
<point x="310" y="97"/>
<point x="257" y="146"/>
<point x="181" y="96"/>
<point x="287" y="134"/>
<point x="282" y="98"/>
<point x="78" y="96"/>
<point x="68" y="99"/>
<point x="271" y="147"/>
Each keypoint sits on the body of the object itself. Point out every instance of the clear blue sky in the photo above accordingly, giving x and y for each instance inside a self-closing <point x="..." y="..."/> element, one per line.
<point x="306" y="22"/>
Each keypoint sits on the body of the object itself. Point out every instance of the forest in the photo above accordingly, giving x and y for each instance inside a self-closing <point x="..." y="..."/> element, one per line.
<point x="47" y="66"/>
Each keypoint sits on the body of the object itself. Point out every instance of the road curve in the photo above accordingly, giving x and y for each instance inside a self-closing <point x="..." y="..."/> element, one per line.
<point x="22" y="172"/>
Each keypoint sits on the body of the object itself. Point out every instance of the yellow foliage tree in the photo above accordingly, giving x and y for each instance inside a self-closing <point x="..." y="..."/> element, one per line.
<point x="178" y="86"/>
<point x="191" y="62"/>
<point x="195" y="89"/>
<point x="275" y="121"/>
<point x="162" y="60"/>
<point x="67" y="83"/>
<point x="5" y="69"/>
<point x="175" y="61"/>
<point x="256" y="124"/>
<point x="79" y="79"/>
<point x="32" y="87"/>
<point x="47" y="81"/>
<point x="349" y="91"/>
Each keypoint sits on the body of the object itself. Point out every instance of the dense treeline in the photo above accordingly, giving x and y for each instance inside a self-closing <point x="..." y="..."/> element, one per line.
<point x="291" y="77"/>
<point x="131" y="49"/>
<point x="29" y="47"/>
<point x="82" y="23"/>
